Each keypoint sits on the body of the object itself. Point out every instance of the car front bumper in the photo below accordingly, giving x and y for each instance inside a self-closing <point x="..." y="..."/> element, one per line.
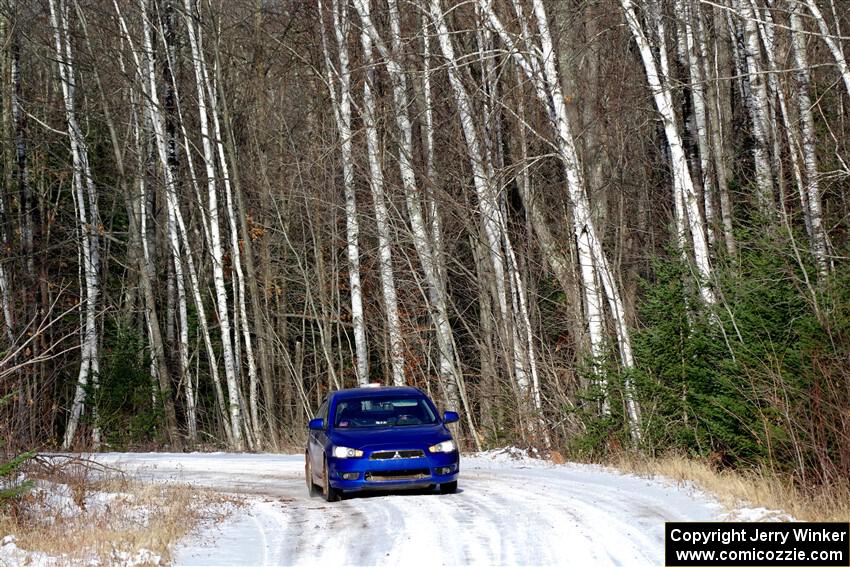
<point x="364" y="473"/>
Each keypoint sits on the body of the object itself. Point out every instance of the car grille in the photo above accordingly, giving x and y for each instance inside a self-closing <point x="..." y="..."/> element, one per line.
<point x="406" y="454"/>
<point x="404" y="474"/>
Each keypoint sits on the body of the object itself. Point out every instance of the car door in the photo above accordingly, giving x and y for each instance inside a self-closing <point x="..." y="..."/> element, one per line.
<point x="316" y="441"/>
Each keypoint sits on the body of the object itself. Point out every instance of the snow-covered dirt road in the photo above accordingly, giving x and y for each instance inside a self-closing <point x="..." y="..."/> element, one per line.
<point x="506" y="512"/>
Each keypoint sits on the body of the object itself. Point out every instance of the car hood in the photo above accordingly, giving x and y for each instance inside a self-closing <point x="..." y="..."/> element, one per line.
<point x="400" y="437"/>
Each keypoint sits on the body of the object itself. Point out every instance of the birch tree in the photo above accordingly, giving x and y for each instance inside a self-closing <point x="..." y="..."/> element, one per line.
<point x="240" y="318"/>
<point x="166" y="160"/>
<point x="5" y="290"/>
<point x="425" y="241"/>
<point x="194" y="280"/>
<point x="341" y="103"/>
<point x="258" y="319"/>
<point x="5" y="232"/>
<point x="691" y="18"/>
<point x="493" y="222"/>
<point x="230" y="370"/>
<point x="776" y="96"/>
<point x="138" y="236"/>
<point x="88" y="224"/>
<point x="812" y="207"/>
<point x="168" y="35"/>
<point x="376" y="186"/>
<point x="538" y="63"/>
<point x="831" y="41"/>
<point x="683" y="187"/>
<point x="759" y="108"/>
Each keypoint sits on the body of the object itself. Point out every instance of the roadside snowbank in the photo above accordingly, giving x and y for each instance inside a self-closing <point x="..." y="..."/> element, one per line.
<point x="527" y="458"/>
<point x="89" y="520"/>
<point x="11" y="554"/>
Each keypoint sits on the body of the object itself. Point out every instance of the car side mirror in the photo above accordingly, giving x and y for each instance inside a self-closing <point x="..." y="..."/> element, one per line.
<point x="317" y="423"/>
<point x="450" y="417"/>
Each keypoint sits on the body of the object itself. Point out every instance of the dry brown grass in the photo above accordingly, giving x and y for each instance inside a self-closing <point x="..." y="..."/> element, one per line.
<point x="758" y="488"/>
<point x="111" y="518"/>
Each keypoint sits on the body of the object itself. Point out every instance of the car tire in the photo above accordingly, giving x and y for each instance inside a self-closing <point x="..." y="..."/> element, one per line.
<point x="312" y="489"/>
<point x="448" y="487"/>
<point x="329" y="493"/>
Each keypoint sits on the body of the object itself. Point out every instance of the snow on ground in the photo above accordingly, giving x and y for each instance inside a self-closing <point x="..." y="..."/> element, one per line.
<point x="759" y="514"/>
<point x="13" y="556"/>
<point x="510" y="509"/>
<point x="52" y="502"/>
<point x="56" y="501"/>
<point x="95" y="519"/>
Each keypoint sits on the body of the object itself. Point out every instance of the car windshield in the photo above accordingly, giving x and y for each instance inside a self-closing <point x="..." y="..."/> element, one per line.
<point x="383" y="412"/>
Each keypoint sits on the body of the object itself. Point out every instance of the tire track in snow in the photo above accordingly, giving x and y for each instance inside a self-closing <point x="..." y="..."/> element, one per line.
<point x="489" y="508"/>
<point x="600" y="518"/>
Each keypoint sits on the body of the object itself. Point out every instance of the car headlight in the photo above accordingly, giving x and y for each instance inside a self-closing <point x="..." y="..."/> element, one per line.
<point x="346" y="452"/>
<point x="444" y="447"/>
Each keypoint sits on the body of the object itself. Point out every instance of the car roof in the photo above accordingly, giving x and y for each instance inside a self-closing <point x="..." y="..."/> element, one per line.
<point x="383" y="391"/>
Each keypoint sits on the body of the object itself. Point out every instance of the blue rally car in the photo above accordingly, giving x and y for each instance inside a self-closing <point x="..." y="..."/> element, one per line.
<point x="380" y="438"/>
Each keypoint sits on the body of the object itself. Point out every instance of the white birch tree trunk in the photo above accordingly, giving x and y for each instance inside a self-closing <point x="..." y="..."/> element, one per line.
<point x="85" y="195"/>
<point x="492" y="147"/>
<point x="240" y="315"/>
<point x="759" y="109"/>
<point x="812" y="206"/>
<point x="777" y="95"/>
<point x="157" y="121"/>
<point x="449" y="360"/>
<point x="144" y="70"/>
<point x="525" y="351"/>
<point x="192" y="272"/>
<point x="550" y="247"/>
<point x="5" y="289"/>
<point x="682" y="181"/>
<point x="482" y="180"/>
<point x="515" y="323"/>
<point x="540" y="67"/>
<point x="736" y="35"/>
<point x="692" y="16"/>
<point x="423" y="239"/>
<point x="436" y="229"/>
<point x="5" y="292"/>
<point x="657" y="30"/>
<point x="230" y="371"/>
<point x="832" y="43"/>
<point x="382" y="220"/>
<point x="581" y="209"/>
<point x="190" y="263"/>
<point x="204" y="328"/>
<point x="342" y="113"/>
<point x="185" y="375"/>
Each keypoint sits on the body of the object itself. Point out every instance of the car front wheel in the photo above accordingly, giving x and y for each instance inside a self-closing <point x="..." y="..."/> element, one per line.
<point x="448" y="487"/>
<point x="329" y="493"/>
<point x="312" y="489"/>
